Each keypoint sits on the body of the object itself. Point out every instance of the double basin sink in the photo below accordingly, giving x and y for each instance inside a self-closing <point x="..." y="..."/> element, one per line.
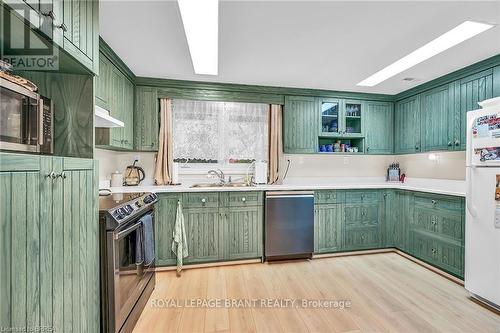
<point x="209" y="185"/>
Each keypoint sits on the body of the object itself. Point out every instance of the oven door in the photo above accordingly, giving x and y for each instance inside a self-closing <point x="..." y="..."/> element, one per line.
<point x="19" y="119"/>
<point x="127" y="274"/>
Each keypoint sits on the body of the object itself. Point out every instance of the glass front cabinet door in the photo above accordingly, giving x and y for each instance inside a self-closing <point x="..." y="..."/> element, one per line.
<point x="341" y="117"/>
<point x="353" y="113"/>
<point x="330" y="116"/>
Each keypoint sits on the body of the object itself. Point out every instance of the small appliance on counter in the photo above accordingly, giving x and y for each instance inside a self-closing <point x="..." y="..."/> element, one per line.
<point x="134" y="175"/>
<point x="116" y="179"/>
<point x="394" y="173"/>
<point x="260" y="175"/>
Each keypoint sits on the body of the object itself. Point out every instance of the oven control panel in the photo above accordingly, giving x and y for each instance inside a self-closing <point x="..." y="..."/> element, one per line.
<point x="133" y="206"/>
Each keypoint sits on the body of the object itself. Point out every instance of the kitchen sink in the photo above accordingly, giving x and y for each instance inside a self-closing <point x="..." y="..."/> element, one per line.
<point x="201" y="185"/>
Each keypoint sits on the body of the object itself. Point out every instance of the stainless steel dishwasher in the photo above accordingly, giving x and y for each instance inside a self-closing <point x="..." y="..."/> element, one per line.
<point x="289" y="225"/>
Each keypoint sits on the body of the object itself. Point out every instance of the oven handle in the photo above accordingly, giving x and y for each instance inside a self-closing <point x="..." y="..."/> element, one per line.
<point x="127" y="231"/>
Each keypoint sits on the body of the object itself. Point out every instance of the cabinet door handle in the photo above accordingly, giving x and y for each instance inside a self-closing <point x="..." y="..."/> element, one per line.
<point x="449" y="143"/>
<point x="457" y="142"/>
<point x="51" y="175"/>
<point x="433" y="251"/>
<point x="417" y="147"/>
<point x="368" y="148"/>
<point x="243" y="199"/>
<point x="203" y="200"/>
<point x="433" y="202"/>
<point x="63" y="175"/>
<point x="50" y="14"/>
<point x="63" y="27"/>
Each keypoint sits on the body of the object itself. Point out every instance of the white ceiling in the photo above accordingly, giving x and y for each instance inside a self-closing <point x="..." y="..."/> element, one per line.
<point x="325" y="44"/>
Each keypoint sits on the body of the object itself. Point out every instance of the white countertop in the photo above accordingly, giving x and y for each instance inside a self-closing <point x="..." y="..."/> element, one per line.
<point x="439" y="186"/>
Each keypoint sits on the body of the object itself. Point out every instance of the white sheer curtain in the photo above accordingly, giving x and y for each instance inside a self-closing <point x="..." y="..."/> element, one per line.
<point x="219" y="130"/>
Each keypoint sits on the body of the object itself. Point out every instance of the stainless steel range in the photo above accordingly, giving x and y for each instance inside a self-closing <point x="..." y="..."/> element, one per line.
<point x="127" y="257"/>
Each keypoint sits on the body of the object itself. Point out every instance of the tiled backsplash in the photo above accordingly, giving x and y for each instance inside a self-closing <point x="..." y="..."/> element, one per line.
<point x="446" y="165"/>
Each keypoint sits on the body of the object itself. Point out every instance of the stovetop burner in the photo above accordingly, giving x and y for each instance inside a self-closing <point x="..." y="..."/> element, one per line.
<point x="119" y="208"/>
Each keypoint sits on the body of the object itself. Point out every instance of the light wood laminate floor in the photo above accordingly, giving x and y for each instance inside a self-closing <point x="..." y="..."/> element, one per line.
<point x="388" y="293"/>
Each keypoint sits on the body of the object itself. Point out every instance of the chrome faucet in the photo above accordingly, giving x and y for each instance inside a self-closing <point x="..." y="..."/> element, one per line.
<point x="219" y="174"/>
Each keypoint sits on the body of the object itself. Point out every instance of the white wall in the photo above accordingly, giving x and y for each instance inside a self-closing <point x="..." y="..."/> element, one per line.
<point x="449" y="165"/>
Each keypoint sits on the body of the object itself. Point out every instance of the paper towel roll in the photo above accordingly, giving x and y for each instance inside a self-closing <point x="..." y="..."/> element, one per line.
<point x="175" y="173"/>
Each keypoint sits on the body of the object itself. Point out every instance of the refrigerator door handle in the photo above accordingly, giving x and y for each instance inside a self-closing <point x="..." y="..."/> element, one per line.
<point x="469" y="201"/>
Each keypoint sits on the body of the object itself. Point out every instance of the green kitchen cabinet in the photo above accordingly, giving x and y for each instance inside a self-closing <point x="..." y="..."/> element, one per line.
<point x="219" y="226"/>
<point x="341" y="118"/>
<point x="165" y="215"/>
<point x="203" y="234"/>
<point x="468" y="92"/>
<point x="436" y="108"/>
<point x="103" y="83"/>
<point x="146" y="116"/>
<point x="80" y="26"/>
<point x="328" y="222"/>
<point x="363" y="219"/>
<point x="50" y="242"/>
<point x="379" y="125"/>
<point x="398" y="215"/>
<point x="437" y="231"/>
<point x="407" y="126"/>
<point x="115" y="93"/>
<point x="300" y="124"/>
<point x="242" y="232"/>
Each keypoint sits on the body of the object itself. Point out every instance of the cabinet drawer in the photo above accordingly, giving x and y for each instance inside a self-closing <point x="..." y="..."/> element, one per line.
<point x="450" y="257"/>
<point x="361" y="214"/>
<point x="423" y="247"/>
<point x="362" y="238"/>
<point x="195" y="200"/>
<point x="437" y="202"/>
<point x="361" y="196"/>
<point x="329" y="196"/>
<point x="242" y="199"/>
<point x="443" y="223"/>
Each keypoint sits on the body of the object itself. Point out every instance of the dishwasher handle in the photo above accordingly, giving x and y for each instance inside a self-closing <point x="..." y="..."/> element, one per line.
<point x="290" y="194"/>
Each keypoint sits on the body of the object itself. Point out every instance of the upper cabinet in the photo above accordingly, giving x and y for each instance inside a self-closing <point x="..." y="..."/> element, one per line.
<point x="72" y="25"/>
<point x="115" y="93"/>
<point x="407" y="126"/>
<point x="468" y="92"/>
<point x="436" y="106"/>
<point x="146" y="115"/>
<point x="340" y="117"/>
<point x="300" y="124"/>
<point x="80" y="30"/>
<point x="379" y="120"/>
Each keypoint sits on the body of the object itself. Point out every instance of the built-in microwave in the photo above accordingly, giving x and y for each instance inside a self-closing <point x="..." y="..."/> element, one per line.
<point x="26" y="120"/>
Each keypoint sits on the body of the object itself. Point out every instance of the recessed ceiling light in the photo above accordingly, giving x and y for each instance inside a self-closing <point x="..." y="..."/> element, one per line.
<point x="455" y="36"/>
<point x="201" y="26"/>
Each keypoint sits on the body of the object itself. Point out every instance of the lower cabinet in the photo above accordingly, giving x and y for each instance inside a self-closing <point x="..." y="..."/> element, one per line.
<point x="437" y="231"/>
<point x="328" y="220"/>
<point x="202" y="227"/>
<point x="229" y="225"/>
<point x="49" y="241"/>
<point x="430" y="227"/>
<point x="242" y="232"/>
<point x="165" y="214"/>
<point x="219" y="226"/>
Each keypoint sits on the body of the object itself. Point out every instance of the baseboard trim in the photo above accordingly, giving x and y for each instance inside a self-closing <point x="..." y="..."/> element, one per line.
<point x="210" y="264"/>
<point x="352" y="253"/>
<point x="430" y="267"/>
<point x="322" y="256"/>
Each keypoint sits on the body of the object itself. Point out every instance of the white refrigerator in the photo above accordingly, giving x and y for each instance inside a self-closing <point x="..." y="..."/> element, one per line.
<point x="482" y="224"/>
